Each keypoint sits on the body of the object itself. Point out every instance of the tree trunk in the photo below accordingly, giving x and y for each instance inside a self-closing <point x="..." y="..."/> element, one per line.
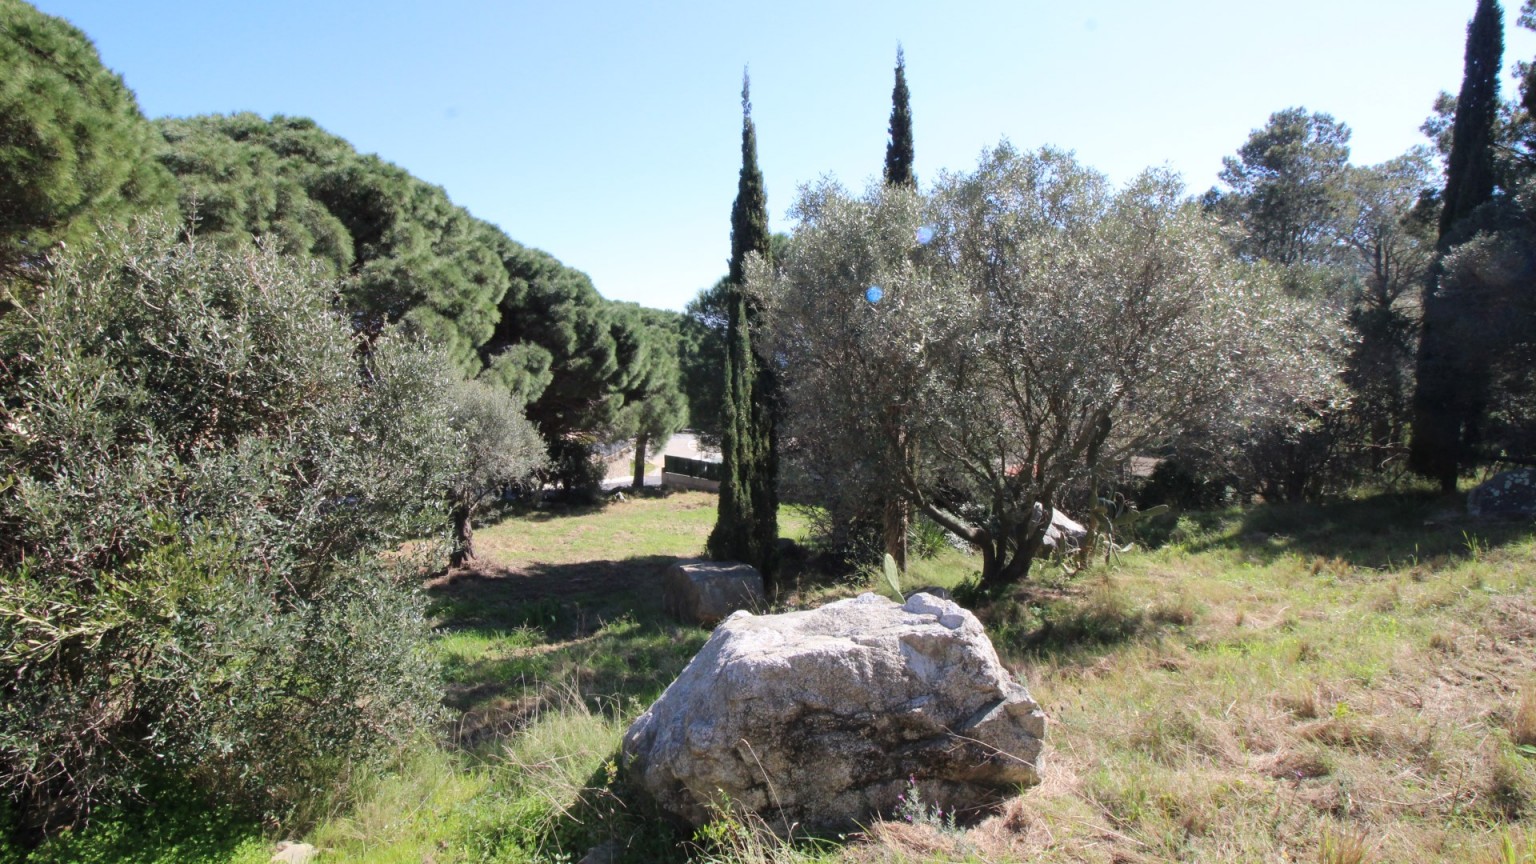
<point x="896" y="531"/>
<point x="463" y="536"/>
<point x="991" y="567"/>
<point x="640" y="445"/>
<point x="999" y="568"/>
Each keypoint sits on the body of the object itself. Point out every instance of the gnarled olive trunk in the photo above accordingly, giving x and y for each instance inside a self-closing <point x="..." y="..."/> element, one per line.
<point x="1006" y="551"/>
<point x="463" y="536"/>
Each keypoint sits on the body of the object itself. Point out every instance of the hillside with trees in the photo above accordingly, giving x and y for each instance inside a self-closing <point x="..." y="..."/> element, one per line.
<point x="303" y="531"/>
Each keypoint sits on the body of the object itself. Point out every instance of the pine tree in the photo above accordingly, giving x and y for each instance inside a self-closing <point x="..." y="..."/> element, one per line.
<point x="746" y="528"/>
<point x="1448" y="400"/>
<point x="898" y="153"/>
<point x="74" y="148"/>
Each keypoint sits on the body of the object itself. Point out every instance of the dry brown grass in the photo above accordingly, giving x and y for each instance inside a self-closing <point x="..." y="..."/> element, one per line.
<point x="1522" y="726"/>
<point x="1343" y="848"/>
<point x="1273" y="707"/>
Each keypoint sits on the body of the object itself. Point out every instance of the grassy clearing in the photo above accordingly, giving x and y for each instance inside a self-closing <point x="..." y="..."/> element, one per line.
<point x="1348" y="683"/>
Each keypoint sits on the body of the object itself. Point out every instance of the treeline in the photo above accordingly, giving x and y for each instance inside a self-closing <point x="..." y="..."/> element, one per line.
<point x="75" y="151"/>
<point x="993" y="347"/>
<point x="1430" y="265"/>
<point x="254" y="385"/>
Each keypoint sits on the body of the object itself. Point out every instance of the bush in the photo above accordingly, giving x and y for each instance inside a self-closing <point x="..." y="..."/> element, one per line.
<point x="1176" y="484"/>
<point x="206" y="482"/>
<point x="576" y="471"/>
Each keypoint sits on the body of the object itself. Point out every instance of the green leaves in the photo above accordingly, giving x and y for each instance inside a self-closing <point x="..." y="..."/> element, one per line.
<point x="892" y="576"/>
<point x="1051" y="327"/>
<point x="74" y="148"/>
<point x="208" y="493"/>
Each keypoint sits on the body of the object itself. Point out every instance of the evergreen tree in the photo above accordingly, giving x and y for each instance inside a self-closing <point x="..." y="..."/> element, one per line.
<point x="1451" y="384"/>
<point x="501" y="448"/>
<point x="74" y="148"/>
<point x="747" y="526"/>
<point x="898" y="172"/>
<point x="1469" y="176"/>
<point x="898" y="153"/>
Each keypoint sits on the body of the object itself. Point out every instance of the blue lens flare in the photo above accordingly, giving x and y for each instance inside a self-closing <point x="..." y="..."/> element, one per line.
<point x="924" y="235"/>
<point x="874" y="294"/>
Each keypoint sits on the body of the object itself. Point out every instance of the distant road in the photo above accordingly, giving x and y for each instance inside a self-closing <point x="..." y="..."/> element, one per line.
<point x="684" y="444"/>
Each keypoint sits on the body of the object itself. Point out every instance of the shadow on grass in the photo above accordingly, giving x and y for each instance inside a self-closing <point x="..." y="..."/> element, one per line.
<point x="594" y="628"/>
<point x="1076" y="623"/>
<point x="173" y="823"/>
<point x="496" y="512"/>
<point x="1383" y="531"/>
<point x="611" y="815"/>
<point x="563" y="601"/>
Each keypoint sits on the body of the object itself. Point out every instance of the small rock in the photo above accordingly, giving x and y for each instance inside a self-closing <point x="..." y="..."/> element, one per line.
<point x="1064" y="534"/>
<point x="706" y="592"/>
<point x="606" y="852"/>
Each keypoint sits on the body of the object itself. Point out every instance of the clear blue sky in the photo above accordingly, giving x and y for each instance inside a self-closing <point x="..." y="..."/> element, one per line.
<point x="608" y="133"/>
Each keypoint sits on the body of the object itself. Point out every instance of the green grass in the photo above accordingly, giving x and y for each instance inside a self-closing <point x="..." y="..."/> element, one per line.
<point x="1349" y="682"/>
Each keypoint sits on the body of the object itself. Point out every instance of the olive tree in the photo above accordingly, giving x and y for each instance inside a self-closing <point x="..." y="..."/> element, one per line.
<point x="206" y="491"/>
<point x="1021" y="329"/>
<point x="502" y="448"/>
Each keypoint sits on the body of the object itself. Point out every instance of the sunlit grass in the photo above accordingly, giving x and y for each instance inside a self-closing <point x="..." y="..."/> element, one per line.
<point x="1340" y="683"/>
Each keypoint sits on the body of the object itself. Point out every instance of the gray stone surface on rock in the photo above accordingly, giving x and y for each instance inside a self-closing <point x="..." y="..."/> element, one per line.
<point x="706" y="592"/>
<point x="1064" y="534"/>
<point x="1508" y="493"/>
<point x="822" y="718"/>
<point x="936" y="591"/>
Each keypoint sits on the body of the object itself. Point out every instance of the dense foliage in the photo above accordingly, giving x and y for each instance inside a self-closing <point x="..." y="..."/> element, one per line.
<point x="502" y="449"/>
<point x="655" y="405"/>
<point x="1349" y="242"/>
<point x="74" y="148"/>
<point x="898" y="152"/>
<point x="203" y="477"/>
<point x="747" y="528"/>
<point x="515" y="317"/>
<point x="1452" y="373"/>
<point x="701" y="357"/>
<point x="1033" y="330"/>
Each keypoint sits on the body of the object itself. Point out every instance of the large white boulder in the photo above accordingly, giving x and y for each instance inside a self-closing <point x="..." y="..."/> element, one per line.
<point x="821" y="719"/>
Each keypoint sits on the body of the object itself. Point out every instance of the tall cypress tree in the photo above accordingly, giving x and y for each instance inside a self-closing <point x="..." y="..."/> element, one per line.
<point x="898" y="153"/>
<point x="747" y="526"/>
<point x="1448" y="400"/>
<point x="898" y="172"/>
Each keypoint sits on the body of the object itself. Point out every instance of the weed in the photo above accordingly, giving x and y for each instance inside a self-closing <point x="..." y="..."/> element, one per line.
<point x="1522" y="726"/>
<point x="1443" y="643"/>
<point x="1513" y="850"/>
<point x="912" y="809"/>
<point x="1342" y="848"/>
<point x="1511" y="786"/>
<point x="1475" y="546"/>
<point x="744" y="838"/>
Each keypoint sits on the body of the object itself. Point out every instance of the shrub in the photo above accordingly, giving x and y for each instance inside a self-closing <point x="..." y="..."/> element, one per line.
<point x="204" y="479"/>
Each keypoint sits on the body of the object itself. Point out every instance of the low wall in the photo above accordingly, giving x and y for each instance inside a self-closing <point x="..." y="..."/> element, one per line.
<point x="683" y="481"/>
